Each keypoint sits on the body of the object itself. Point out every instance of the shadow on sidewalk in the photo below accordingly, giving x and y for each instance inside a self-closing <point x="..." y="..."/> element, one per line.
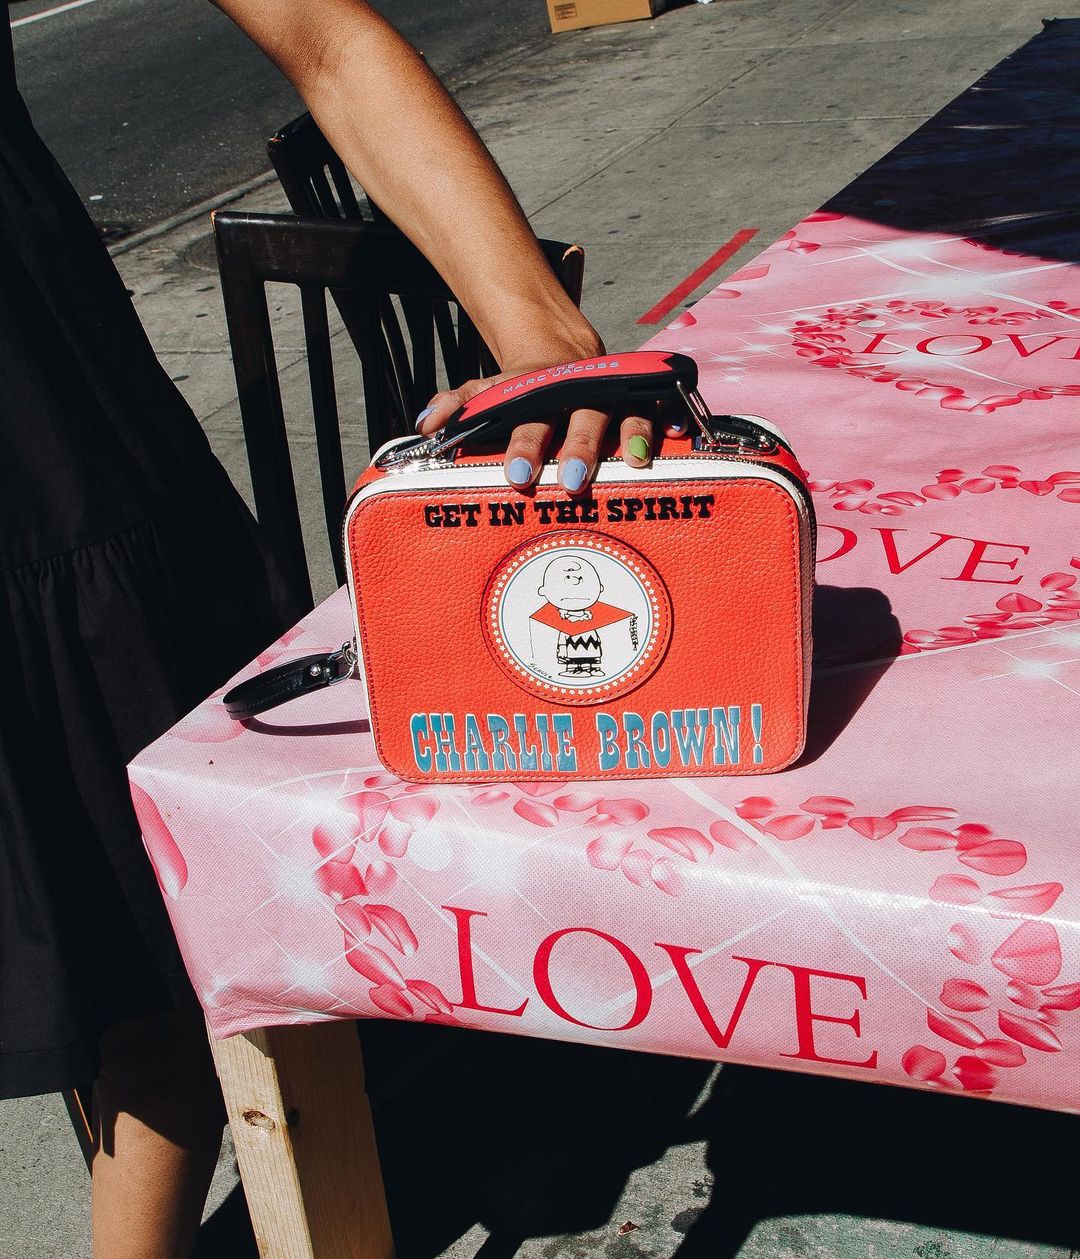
<point x="784" y="1145"/>
<point x="537" y="1139"/>
<point x="527" y="1137"/>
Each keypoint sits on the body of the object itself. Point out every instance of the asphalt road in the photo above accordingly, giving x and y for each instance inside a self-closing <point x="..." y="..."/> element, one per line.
<point x="153" y="105"/>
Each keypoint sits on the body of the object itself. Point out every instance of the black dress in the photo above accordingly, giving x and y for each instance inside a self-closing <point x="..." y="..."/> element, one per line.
<point x="132" y="584"/>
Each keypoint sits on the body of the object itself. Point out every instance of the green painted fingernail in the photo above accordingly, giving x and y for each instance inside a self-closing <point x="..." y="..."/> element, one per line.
<point x="639" y="448"/>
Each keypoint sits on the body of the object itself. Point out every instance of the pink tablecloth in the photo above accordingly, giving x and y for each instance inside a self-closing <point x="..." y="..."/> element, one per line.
<point x="904" y="905"/>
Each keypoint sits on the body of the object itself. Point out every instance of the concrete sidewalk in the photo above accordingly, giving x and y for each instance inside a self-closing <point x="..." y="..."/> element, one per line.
<point x="651" y="143"/>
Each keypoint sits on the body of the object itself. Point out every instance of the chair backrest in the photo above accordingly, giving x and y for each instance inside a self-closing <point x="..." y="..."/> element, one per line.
<point x="313" y="176"/>
<point x="318" y="186"/>
<point x="370" y="265"/>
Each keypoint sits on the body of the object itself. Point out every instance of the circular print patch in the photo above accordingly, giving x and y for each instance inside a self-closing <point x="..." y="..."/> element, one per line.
<point x="578" y="618"/>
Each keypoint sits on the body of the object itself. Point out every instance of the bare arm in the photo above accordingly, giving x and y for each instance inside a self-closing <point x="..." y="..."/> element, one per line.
<point x="411" y="148"/>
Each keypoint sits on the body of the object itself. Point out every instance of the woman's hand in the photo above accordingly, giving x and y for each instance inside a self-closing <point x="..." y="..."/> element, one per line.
<point x="528" y="443"/>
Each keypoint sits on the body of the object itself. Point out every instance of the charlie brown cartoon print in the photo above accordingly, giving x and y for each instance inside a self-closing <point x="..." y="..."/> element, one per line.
<point x="577" y="617"/>
<point x="572" y="607"/>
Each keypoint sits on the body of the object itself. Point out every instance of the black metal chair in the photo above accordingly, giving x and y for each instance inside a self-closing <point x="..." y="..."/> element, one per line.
<point x="365" y="265"/>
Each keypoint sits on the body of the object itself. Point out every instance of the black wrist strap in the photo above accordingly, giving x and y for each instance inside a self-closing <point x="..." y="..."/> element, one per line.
<point x="289" y="681"/>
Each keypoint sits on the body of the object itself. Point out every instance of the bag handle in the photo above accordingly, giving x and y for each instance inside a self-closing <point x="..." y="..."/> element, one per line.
<point x="289" y="681"/>
<point x="615" y="382"/>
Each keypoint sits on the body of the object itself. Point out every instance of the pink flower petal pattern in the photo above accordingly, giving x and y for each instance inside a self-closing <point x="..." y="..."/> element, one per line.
<point x="1002" y="1053"/>
<point x="1016" y="602"/>
<point x="1023" y="995"/>
<point x="685" y="320"/>
<point x="369" y="808"/>
<point x="414" y="810"/>
<point x="873" y="827"/>
<point x="490" y="795"/>
<point x="788" y="827"/>
<point x="1031" y="954"/>
<point x="970" y="835"/>
<point x="923" y="1064"/>
<point x="728" y="835"/>
<point x="1035" y="898"/>
<point x="683" y="840"/>
<point x="1064" y="997"/>
<point x="666" y="877"/>
<point x="536" y="812"/>
<point x="825" y="804"/>
<point x="998" y="857"/>
<point x="955" y="889"/>
<point x="381" y="782"/>
<point x="927" y="839"/>
<point x="754" y="807"/>
<point x="391" y="1000"/>
<point x="959" y="1031"/>
<point x="606" y="852"/>
<point x="975" y="1075"/>
<point x="336" y="836"/>
<point x="353" y="919"/>
<point x="922" y="813"/>
<point x="162" y="849"/>
<point x="1029" y="1032"/>
<point x="577" y="801"/>
<point x="964" y="995"/>
<point x="430" y="995"/>
<point x="380" y="876"/>
<point x="339" y="879"/>
<point x="637" y="866"/>
<point x="394" y="836"/>
<point x="625" y="811"/>
<point x="371" y="962"/>
<point x="393" y="924"/>
<point x="964" y="944"/>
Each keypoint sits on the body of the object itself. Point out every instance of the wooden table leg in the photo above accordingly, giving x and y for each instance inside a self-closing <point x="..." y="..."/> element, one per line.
<point x="305" y="1141"/>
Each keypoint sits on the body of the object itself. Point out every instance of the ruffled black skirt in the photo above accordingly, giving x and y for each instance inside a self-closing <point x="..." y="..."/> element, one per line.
<point x="133" y="583"/>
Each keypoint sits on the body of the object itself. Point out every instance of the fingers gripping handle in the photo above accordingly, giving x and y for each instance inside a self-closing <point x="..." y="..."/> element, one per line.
<point x="616" y="382"/>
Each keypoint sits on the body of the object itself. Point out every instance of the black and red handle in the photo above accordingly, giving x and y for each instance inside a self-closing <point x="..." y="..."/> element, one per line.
<point x="616" y="382"/>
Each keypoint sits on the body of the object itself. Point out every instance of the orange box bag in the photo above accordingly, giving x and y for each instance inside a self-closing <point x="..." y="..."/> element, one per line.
<point x="656" y="626"/>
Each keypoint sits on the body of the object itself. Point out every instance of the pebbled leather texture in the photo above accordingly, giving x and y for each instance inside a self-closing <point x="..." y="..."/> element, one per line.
<point x="737" y="583"/>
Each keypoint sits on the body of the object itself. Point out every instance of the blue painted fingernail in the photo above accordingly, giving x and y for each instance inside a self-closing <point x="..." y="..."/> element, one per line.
<point x="573" y="474"/>
<point x="519" y="472"/>
<point x="422" y="417"/>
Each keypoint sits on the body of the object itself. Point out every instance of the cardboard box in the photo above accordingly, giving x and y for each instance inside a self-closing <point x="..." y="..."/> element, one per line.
<point x="570" y="15"/>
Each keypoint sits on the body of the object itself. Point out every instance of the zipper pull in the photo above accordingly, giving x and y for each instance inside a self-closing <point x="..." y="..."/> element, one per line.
<point x="418" y="452"/>
<point x="719" y="432"/>
<point x="749" y="440"/>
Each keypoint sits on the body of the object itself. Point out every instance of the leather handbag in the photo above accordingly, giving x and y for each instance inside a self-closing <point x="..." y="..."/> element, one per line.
<point x="656" y="626"/>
